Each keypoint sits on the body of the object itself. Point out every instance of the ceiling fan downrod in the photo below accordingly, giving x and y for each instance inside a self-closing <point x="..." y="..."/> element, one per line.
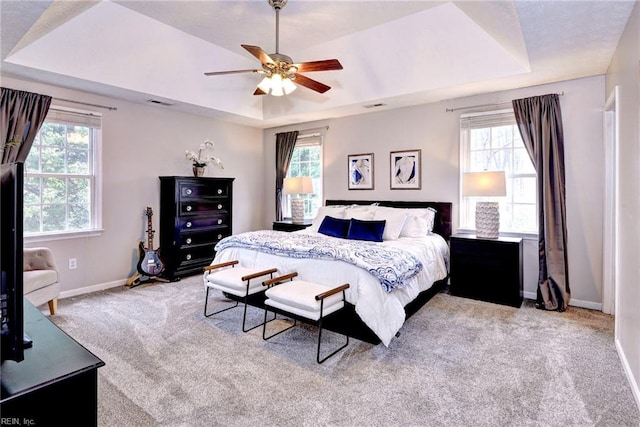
<point x="277" y="5"/>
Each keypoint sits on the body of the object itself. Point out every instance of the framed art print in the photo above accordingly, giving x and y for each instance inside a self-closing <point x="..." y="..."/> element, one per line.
<point x="360" y="171"/>
<point x="405" y="170"/>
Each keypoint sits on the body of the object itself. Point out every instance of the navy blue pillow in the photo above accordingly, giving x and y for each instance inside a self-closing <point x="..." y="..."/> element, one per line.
<point x="334" y="227"/>
<point x="366" y="230"/>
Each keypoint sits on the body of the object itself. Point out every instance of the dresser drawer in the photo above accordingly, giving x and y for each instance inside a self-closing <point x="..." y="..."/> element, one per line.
<point x="193" y="207"/>
<point x="192" y="189"/>
<point x="195" y="254"/>
<point x="212" y="236"/>
<point x="199" y="223"/>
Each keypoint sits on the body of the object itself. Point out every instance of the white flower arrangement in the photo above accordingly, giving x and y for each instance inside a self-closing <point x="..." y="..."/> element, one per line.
<point x="204" y="156"/>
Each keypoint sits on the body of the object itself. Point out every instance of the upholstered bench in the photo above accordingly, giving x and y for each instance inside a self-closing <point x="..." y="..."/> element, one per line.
<point x="305" y="301"/>
<point x="232" y="279"/>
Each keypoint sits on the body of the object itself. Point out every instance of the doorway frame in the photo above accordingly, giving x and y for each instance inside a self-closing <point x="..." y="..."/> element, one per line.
<point x="610" y="237"/>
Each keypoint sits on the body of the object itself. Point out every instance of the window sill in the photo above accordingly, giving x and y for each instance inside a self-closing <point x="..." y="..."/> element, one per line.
<point x="48" y="237"/>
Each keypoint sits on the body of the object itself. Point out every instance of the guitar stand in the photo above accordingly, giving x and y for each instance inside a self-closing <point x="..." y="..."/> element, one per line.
<point x="140" y="279"/>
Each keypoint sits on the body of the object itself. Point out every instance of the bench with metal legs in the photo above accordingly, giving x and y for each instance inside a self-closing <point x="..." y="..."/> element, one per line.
<point x="234" y="280"/>
<point x="302" y="300"/>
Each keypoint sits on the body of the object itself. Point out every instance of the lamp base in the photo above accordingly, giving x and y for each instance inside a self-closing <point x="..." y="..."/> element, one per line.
<point x="297" y="210"/>
<point x="487" y="220"/>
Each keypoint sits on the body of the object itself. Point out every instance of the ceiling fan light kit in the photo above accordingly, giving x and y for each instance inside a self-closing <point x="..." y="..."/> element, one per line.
<point x="277" y="85"/>
<point x="282" y="74"/>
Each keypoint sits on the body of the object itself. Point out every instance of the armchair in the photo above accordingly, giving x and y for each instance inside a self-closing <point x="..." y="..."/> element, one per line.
<point x="41" y="278"/>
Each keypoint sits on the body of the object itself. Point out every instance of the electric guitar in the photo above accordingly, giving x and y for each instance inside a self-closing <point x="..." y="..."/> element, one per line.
<point x="150" y="263"/>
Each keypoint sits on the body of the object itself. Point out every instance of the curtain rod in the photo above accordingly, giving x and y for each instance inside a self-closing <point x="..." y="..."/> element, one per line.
<point x="450" y="110"/>
<point x="86" y="103"/>
<point x="308" y="130"/>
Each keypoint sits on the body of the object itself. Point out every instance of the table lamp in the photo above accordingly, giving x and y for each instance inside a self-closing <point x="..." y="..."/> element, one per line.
<point x="485" y="184"/>
<point x="296" y="186"/>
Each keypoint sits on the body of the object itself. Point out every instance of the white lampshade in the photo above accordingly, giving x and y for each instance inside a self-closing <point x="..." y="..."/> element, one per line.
<point x="485" y="184"/>
<point x="288" y="85"/>
<point x="265" y="85"/>
<point x="298" y="185"/>
<point x="276" y="85"/>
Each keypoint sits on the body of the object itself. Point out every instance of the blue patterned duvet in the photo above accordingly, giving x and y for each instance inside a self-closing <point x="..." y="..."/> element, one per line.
<point x="393" y="267"/>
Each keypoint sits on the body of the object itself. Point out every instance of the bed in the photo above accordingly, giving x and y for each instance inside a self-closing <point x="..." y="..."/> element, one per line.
<point x="382" y="296"/>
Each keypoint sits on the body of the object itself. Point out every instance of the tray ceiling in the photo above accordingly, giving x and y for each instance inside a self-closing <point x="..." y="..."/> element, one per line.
<point x="396" y="53"/>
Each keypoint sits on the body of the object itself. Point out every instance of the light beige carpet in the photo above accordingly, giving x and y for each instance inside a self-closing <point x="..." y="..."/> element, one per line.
<point x="457" y="362"/>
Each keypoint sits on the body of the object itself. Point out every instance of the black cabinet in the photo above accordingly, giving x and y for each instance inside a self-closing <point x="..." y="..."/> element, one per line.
<point x="55" y="384"/>
<point x="290" y="226"/>
<point x="487" y="269"/>
<point x="195" y="214"/>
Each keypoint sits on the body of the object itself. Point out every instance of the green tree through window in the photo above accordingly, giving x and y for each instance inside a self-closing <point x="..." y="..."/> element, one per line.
<point x="307" y="161"/>
<point x="491" y="142"/>
<point x="59" y="184"/>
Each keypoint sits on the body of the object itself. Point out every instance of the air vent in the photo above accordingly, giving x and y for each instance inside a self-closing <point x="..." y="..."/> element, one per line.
<point x="155" y="101"/>
<point x="375" y="105"/>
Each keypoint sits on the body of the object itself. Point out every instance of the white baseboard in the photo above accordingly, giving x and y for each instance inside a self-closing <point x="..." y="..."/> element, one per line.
<point x="633" y="382"/>
<point x="574" y="302"/>
<point x="93" y="288"/>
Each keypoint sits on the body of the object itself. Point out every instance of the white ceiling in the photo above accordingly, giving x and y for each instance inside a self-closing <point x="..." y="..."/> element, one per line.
<point x="396" y="53"/>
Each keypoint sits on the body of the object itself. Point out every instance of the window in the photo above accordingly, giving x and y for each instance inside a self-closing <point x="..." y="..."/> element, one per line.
<point x="307" y="161"/>
<point x="60" y="184"/>
<point x="491" y="142"/>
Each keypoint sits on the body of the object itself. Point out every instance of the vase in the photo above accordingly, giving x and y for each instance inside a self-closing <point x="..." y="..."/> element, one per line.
<point x="198" y="171"/>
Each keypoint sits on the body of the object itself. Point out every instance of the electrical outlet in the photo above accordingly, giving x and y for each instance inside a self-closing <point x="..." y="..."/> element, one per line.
<point x="73" y="263"/>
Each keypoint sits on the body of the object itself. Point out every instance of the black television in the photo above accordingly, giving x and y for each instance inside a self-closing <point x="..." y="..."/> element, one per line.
<point x="11" y="256"/>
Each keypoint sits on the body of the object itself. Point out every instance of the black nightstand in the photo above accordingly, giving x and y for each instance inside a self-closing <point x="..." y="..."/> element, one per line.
<point x="287" y="225"/>
<point x="487" y="269"/>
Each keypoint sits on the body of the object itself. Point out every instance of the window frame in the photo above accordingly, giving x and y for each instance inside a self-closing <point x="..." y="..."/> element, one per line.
<point x="466" y="213"/>
<point x="314" y="139"/>
<point x="75" y="117"/>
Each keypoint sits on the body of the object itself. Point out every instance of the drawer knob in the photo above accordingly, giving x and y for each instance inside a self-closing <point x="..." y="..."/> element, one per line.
<point x="219" y="206"/>
<point x="188" y="257"/>
<point x="189" y="241"/>
<point x="189" y="224"/>
<point x="219" y="221"/>
<point x="219" y="236"/>
<point x="219" y="190"/>
<point x="189" y="208"/>
<point x="189" y="191"/>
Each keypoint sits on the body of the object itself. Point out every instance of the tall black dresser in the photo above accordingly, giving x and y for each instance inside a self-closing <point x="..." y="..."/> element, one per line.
<point x="195" y="214"/>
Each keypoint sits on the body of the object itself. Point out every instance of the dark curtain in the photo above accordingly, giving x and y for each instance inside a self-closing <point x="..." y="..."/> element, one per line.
<point x="21" y="115"/>
<point x="540" y="123"/>
<point x="285" y="143"/>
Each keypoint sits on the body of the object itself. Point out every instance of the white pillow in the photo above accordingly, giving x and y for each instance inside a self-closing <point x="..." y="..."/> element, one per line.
<point x="431" y="218"/>
<point x="364" y="213"/>
<point x="395" y="221"/>
<point x="419" y="222"/>
<point x="333" y="211"/>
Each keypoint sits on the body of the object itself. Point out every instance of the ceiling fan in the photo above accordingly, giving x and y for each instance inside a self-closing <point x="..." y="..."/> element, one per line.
<point x="281" y="73"/>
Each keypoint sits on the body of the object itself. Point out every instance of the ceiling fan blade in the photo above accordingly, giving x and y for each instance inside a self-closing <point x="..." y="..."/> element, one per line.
<point x="219" y="73"/>
<point x="310" y="83"/>
<point x="258" y="53"/>
<point x="259" y="92"/>
<point x="327" y="64"/>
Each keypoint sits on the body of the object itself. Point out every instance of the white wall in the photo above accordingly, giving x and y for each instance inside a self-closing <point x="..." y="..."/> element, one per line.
<point x="433" y="130"/>
<point x="624" y="72"/>
<point x="140" y="143"/>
